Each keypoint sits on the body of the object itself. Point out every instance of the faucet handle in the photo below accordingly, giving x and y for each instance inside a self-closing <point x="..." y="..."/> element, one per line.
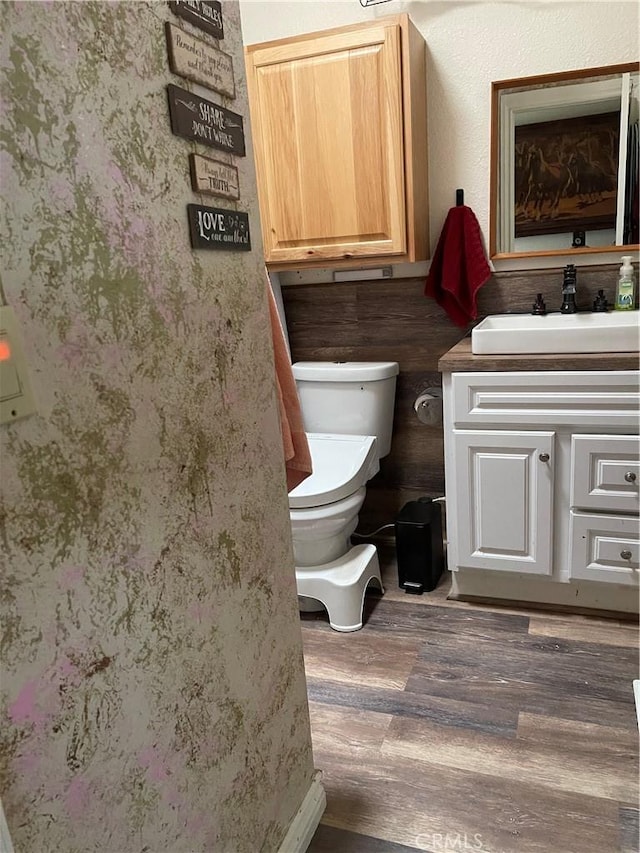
<point x="538" y="306"/>
<point x="600" y="303"/>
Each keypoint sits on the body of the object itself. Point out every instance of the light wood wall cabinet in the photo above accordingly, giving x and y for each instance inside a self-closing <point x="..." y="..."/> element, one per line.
<point x="339" y="132"/>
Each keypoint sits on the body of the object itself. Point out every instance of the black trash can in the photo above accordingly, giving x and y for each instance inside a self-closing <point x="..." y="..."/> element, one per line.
<point x="419" y="547"/>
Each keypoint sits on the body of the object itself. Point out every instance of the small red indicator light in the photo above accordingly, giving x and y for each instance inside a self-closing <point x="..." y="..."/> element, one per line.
<point x="5" y="350"/>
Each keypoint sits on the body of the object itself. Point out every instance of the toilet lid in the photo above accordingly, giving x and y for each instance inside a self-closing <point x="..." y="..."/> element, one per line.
<point x="341" y="465"/>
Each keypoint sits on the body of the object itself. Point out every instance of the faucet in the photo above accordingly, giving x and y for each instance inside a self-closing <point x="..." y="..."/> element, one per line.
<point x="569" y="290"/>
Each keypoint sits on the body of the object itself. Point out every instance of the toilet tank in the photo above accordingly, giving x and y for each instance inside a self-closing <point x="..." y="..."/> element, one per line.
<point x="348" y="398"/>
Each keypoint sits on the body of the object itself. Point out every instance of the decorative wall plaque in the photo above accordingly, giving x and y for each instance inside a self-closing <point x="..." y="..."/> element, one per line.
<point x="203" y="121"/>
<point x="213" y="177"/>
<point x="216" y="228"/>
<point x="205" y="14"/>
<point x="196" y="60"/>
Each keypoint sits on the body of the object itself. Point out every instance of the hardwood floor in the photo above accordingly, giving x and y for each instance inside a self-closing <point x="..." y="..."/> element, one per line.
<point x="448" y="726"/>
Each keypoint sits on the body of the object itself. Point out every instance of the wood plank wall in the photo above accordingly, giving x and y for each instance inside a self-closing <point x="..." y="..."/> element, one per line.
<point x="394" y="321"/>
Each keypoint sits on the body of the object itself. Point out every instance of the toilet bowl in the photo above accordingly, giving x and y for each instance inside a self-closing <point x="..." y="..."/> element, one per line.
<point x="321" y="533"/>
<point x="324" y="508"/>
<point x="324" y="513"/>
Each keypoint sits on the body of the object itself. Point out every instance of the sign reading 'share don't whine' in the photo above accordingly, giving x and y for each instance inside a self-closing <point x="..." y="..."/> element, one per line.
<point x="193" y="117"/>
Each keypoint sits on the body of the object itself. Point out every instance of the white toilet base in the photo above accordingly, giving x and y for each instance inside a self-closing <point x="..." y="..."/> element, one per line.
<point x="340" y="585"/>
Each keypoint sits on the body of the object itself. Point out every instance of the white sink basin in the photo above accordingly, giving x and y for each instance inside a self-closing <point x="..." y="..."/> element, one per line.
<point x="506" y="334"/>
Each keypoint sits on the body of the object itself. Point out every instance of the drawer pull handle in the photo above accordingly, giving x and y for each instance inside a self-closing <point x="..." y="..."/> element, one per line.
<point x="630" y="477"/>
<point x="544" y="457"/>
<point x="626" y="555"/>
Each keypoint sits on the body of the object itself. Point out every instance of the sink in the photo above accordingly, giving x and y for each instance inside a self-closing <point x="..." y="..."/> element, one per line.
<point x="506" y="334"/>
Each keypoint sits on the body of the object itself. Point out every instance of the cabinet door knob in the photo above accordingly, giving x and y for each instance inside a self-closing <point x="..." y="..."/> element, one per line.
<point x="630" y="477"/>
<point x="626" y="555"/>
<point x="544" y="457"/>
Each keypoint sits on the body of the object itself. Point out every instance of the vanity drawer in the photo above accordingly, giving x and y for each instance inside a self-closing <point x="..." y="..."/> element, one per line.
<point x="604" y="548"/>
<point x="605" y="472"/>
<point x="565" y="397"/>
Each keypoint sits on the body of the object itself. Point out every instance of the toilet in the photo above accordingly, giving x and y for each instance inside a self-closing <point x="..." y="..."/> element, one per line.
<point x="347" y="410"/>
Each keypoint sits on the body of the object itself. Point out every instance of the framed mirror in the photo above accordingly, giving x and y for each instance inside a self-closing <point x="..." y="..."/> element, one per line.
<point x="564" y="163"/>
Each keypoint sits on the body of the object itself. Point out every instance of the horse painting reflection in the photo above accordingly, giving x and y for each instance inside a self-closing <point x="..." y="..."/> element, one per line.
<point x="566" y="174"/>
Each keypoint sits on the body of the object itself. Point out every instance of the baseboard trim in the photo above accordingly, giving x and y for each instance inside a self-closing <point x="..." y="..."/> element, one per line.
<point x="305" y="823"/>
<point x="590" y="598"/>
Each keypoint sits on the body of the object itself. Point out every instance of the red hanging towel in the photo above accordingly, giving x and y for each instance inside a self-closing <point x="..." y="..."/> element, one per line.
<point x="459" y="267"/>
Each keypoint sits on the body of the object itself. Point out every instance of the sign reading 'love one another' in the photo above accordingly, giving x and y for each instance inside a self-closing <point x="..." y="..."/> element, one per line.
<point x="217" y="228"/>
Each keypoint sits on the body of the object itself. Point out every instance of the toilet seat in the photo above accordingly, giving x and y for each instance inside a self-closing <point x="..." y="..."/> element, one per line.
<point x="342" y="464"/>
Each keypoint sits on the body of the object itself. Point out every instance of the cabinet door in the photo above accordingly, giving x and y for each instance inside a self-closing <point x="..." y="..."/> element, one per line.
<point x="504" y="496"/>
<point x="326" y="116"/>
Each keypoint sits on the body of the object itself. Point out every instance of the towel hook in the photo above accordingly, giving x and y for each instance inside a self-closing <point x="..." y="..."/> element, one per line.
<point x="459" y="197"/>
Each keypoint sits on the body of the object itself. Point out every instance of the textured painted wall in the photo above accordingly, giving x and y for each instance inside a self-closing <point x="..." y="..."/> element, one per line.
<point x="152" y="685"/>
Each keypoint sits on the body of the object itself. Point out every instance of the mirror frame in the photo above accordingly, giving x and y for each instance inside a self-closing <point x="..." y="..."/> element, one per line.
<point x="528" y="82"/>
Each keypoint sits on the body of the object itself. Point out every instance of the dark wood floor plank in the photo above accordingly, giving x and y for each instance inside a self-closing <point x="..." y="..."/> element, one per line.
<point x="412" y="621"/>
<point x="330" y="839"/>
<point x="550" y="762"/>
<point x="466" y="683"/>
<point x="443" y="710"/>
<point x="579" y="669"/>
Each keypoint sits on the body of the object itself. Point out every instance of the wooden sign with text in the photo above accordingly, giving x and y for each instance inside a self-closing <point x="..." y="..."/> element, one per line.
<point x="193" y="117"/>
<point x="216" y="228"/>
<point x="205" y="14"/>
<point x="213" y="177"/>
<point x="196" y="60"/>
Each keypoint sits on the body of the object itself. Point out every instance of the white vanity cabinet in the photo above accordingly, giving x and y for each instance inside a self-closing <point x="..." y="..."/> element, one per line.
<point x="542" y="481"/>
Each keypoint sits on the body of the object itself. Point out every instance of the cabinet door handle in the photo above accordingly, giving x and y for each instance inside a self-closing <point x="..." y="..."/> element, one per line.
<point x="544" y="457"/>
<point x="626" y="555"/>
<point x="630" y="477"/>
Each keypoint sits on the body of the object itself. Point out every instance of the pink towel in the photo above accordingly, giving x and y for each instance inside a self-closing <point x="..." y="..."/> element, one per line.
<point x="294" y="439"/>
<point x="459" y="267"/>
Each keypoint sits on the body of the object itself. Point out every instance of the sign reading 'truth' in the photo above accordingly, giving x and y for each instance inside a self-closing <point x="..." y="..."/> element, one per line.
<point x="203" y="121"/>
<point x="213" y="177"/>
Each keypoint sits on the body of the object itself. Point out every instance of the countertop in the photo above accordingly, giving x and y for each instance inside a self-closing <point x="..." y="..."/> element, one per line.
<point x="460" y="358"/>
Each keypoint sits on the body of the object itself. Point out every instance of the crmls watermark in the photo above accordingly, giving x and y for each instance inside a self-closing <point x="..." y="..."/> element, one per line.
<point x="450" y="842"/>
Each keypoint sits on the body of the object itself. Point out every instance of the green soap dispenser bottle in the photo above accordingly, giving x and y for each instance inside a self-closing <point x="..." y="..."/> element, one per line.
<point x="626" y="290"/>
